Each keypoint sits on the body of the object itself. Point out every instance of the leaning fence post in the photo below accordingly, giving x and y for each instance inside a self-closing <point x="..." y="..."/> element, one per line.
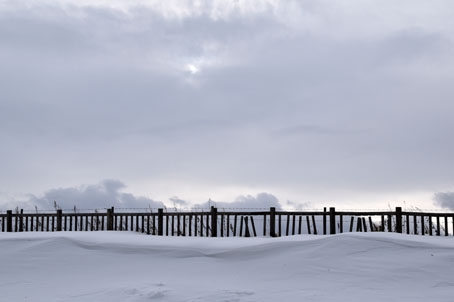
<point x="214" y="222"/>
<point x="160" y="221"/>
<point x="273" y="222"/>
<point x="398" y="219"/>
<point x="332" y="221"/>
<point x="9" y="221"/>
<point x="110" y="218"/>
<point x="59" y="220"/>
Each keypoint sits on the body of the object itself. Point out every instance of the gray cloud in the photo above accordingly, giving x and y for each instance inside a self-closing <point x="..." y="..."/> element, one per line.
<point x="444" y="200"/>
<point x="261" y="200"/>
<point x="106" y="194"/>
<point x="304" y="96"/>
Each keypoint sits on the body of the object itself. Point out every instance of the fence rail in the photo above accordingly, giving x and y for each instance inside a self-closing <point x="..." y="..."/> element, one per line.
<point x="214" y="223"/>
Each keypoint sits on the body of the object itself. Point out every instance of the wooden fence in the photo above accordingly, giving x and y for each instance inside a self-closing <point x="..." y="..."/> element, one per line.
<point x="214" y="223"/>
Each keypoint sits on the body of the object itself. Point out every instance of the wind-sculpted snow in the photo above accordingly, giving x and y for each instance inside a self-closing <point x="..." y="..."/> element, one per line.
<point x="114" y="266"/>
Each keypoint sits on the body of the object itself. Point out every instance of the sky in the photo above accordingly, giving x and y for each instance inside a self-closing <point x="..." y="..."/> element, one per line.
<point x="301" y="104"/>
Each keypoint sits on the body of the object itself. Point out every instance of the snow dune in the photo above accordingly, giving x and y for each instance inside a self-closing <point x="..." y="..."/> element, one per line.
<point x="114" y="266"/>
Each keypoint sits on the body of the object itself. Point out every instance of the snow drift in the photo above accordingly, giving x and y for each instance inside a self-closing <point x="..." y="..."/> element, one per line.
<point x="114" y="266"/>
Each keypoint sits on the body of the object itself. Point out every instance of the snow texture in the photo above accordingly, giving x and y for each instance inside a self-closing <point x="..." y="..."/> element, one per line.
<point x="114" y="266"/>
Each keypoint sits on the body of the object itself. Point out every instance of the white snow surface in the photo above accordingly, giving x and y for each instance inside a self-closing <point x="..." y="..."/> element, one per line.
<point x="126" y="266"/>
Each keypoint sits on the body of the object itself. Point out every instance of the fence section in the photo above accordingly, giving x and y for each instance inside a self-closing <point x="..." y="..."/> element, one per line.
<point x="214" y="223"/>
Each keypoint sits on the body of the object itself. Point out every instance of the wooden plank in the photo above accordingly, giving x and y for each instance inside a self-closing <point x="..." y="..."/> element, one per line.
<point x="9" y="221"/>
<point x="222" y="225"/>
<point x="308" y="225"/>
<point x="332" y="221"/>
<point x="324" y="221"/>
<point x="160" y="228"/>
<point x="195" y="225"/>
<point x="207" y="229"/>
<point x="288" y="225"/>
<point x="214" y="221"/>
<point x="293" y="225"/>
<point x="142" y="223"/>
<point x="21" y="221"/>
<point x="299" y="224"/>
<point x="264" y="225"/>
<point x="390" y="223"/>
<point x="148" y="224"/>
<point x="241" y="226"/>
<point x="314" y="224"/>
<point x="272" y="222"/>
<point x="438" y="226"/>
<point x="178" y="226"/>
<point x="173" y="224"/>
<point x="253" y="226"/>
<point x="398" y="219"/>
<point x="246" y="227"/>
<point x="201" y="225"/>
<point x="341" y="223"/>
<point x="280" y="225"/>
<point x="228" y="225"/>
<point x="407" y="223"/>
<point x="423" y="230"/>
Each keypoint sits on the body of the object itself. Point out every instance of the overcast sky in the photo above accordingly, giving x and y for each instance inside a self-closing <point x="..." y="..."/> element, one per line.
<point x="310" y="103"/>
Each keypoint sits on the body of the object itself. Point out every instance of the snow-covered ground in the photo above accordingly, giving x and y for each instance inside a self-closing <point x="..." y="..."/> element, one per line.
<point x="114" y="266"/>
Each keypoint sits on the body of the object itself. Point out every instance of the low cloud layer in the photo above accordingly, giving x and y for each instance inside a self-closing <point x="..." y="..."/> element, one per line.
<point x="260" y="201"/>
<point x="106" y="194"/>
<point x="444" y="200"/>
<point x="109" y="193"/>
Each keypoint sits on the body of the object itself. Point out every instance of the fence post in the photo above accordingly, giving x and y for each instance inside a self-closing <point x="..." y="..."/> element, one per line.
<point x="9" y="221"/>
<point x="160" y="222"/>
<point x="398" y="219"/>
<point x="214" y="222"/>
<point x="21" y="220"/>
<point x="59" y="220"/>
<point x="332" y="221"/>
<point x="110" y="218"/>
<point x="273" y="222"/>
<point x="246" y="228"/>
<point x="324" y="221"/>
